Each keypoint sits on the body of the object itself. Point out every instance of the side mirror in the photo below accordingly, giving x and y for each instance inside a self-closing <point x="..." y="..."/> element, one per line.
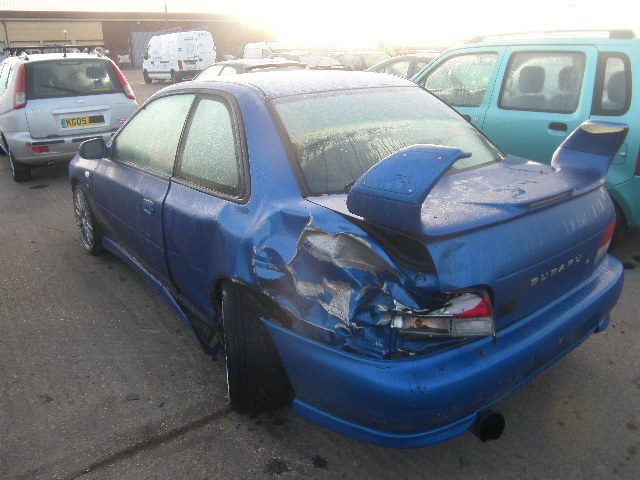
<point x="145" y="56"/>
<point x="93" y="149"/>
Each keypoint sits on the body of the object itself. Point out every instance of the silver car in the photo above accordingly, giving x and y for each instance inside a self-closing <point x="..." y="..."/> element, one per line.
<point x="50" y="103"/>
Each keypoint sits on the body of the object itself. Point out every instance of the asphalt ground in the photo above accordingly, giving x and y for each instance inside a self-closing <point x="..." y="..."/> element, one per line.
<point x="99" y="379"/>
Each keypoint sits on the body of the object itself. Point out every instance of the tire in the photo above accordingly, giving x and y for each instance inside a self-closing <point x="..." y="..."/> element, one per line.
<point x="19" y="172"/>
<point x="174" y="78"/>
<point x="90" y="230"/>
<point x="256" y="379"/>
<point x="145" y="75"/>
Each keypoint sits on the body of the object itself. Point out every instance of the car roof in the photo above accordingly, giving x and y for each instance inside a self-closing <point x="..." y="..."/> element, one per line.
<point x="297" y="82"/>
<point x="561" y="37"/>
<point x="39" y="57"/>
<point x="257" y="61"/>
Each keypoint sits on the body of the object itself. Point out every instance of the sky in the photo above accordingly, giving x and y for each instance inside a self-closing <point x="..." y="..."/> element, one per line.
<point x="370" y="22"/>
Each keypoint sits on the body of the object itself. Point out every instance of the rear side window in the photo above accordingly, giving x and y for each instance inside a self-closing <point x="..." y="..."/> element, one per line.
<point x="400" y="69"/>
<point x="612" y="93"/>
<point x="543" y="82"/>
<point x="70" y="78"/>
<point x="210" y="157"/>
<point x="462" y="81"/>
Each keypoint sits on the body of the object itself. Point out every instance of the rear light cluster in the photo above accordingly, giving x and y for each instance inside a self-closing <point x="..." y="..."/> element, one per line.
<point x="461" y="313"/>
<point x="606" y="240"/>
<point x="20" y="92"/>
<point x="180" y="66"/>
<point x="128" y="91"/>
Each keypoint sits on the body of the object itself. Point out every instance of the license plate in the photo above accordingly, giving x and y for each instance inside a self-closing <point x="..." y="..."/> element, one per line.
<point x="73" y="122"/>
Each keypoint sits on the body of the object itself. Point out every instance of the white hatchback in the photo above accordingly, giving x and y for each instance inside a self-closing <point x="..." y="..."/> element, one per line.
<point x="50" y="103"/>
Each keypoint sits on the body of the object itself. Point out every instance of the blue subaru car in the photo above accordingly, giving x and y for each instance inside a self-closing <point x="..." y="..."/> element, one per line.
<point x="356" y="247"/>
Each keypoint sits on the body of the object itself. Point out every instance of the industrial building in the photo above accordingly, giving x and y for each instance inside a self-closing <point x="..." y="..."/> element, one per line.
<point x="123" y="32"/>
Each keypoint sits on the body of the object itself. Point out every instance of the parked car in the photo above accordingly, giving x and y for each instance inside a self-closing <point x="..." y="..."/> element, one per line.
<point x="360" y="60"/>
<point x="311" y="59"/>
<point x="357" y="246"/>
<point x="529" y="93"/>
<point x="230" y="67"/>
<point x="178" y="56"/>
<point x="405" y="66"/>
<point x="49" y="103"/>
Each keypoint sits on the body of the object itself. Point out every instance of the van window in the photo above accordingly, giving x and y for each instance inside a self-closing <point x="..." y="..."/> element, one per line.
<point x="462" y="81"/>
<point x="543" y="82"/>
<point x="612" y="93"/>
<point x="70" y="78"/>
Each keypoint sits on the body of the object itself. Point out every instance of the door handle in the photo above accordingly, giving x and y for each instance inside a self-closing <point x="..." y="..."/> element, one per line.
<point x="148" y="206"/>
<point x="558" y="126"/>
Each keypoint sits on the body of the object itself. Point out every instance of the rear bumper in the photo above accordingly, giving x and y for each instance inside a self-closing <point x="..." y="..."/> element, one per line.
<point x="60" y="148"/>
<point x="424" y="400"/>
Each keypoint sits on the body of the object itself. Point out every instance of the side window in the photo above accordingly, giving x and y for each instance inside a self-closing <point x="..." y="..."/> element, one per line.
<point x="612" y="93"/>
<point x="398" y="68"/>
<point x="543" y="82"/>
<point x="150" y="139"/>
<point x="462" y="81"/>
<point x="210" y="157"/>
<point x="228" y="70"/>
<point x="4" y="77"/>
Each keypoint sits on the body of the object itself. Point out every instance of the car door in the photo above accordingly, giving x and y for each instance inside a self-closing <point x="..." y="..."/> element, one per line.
<point x="464" y="80"/>
<point x="544" y="94"/>
<point x="130" y="187"/>
<point x="207" y="195"/>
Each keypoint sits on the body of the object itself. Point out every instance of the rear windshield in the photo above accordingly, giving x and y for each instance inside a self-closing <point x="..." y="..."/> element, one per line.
<point x="69" y="78"/>
<point x="337" y="136"/>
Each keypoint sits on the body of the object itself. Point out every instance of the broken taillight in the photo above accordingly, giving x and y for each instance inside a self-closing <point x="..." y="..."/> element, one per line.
<point x="461" y="313"/>
<point x="606" y="240"/>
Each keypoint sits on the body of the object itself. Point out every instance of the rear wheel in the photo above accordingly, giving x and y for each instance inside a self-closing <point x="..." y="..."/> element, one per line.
<point x="256" y="378"/>
<point x="19" y="172"/>
<point x="90" y="230"/>
<point x="145" y="75"/>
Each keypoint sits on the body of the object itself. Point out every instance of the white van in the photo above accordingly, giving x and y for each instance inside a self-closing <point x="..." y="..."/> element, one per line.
<point x="178" y="56"/>
<point x="262" y="49"/>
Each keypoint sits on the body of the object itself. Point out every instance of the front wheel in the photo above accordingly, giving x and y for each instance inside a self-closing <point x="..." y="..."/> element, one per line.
<point x="90" y="230"/>
<point x="145" y="75"/>
<point x="174" y="77"/>
<point x="256" y="378"/>
<point x="19" y="172"/>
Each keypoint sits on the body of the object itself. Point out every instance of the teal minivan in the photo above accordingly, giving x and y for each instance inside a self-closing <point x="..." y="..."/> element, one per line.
<point x="527" y="92"/>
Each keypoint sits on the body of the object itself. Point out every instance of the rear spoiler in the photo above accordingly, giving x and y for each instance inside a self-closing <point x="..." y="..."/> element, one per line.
<point x="391" y="192"/>
<point x="591" y="147"/>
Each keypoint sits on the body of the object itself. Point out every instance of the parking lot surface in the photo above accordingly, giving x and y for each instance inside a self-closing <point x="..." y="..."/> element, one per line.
<point x="99" y="379"/>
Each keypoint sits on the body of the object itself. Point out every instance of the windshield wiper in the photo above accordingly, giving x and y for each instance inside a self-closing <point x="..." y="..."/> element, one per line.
<point x="63" y="89"/>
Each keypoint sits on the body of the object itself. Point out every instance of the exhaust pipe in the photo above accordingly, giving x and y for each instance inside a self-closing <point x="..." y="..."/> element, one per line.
<point x="488" y="426"/>
<point x="51" y="164"/>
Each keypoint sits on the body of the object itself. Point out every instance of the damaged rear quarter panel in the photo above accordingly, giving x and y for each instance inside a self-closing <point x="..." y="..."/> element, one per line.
<point x="331" y="275"/>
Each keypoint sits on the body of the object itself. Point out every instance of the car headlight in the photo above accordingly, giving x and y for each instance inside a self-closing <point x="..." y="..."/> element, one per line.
<point x="460" y="313"/>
